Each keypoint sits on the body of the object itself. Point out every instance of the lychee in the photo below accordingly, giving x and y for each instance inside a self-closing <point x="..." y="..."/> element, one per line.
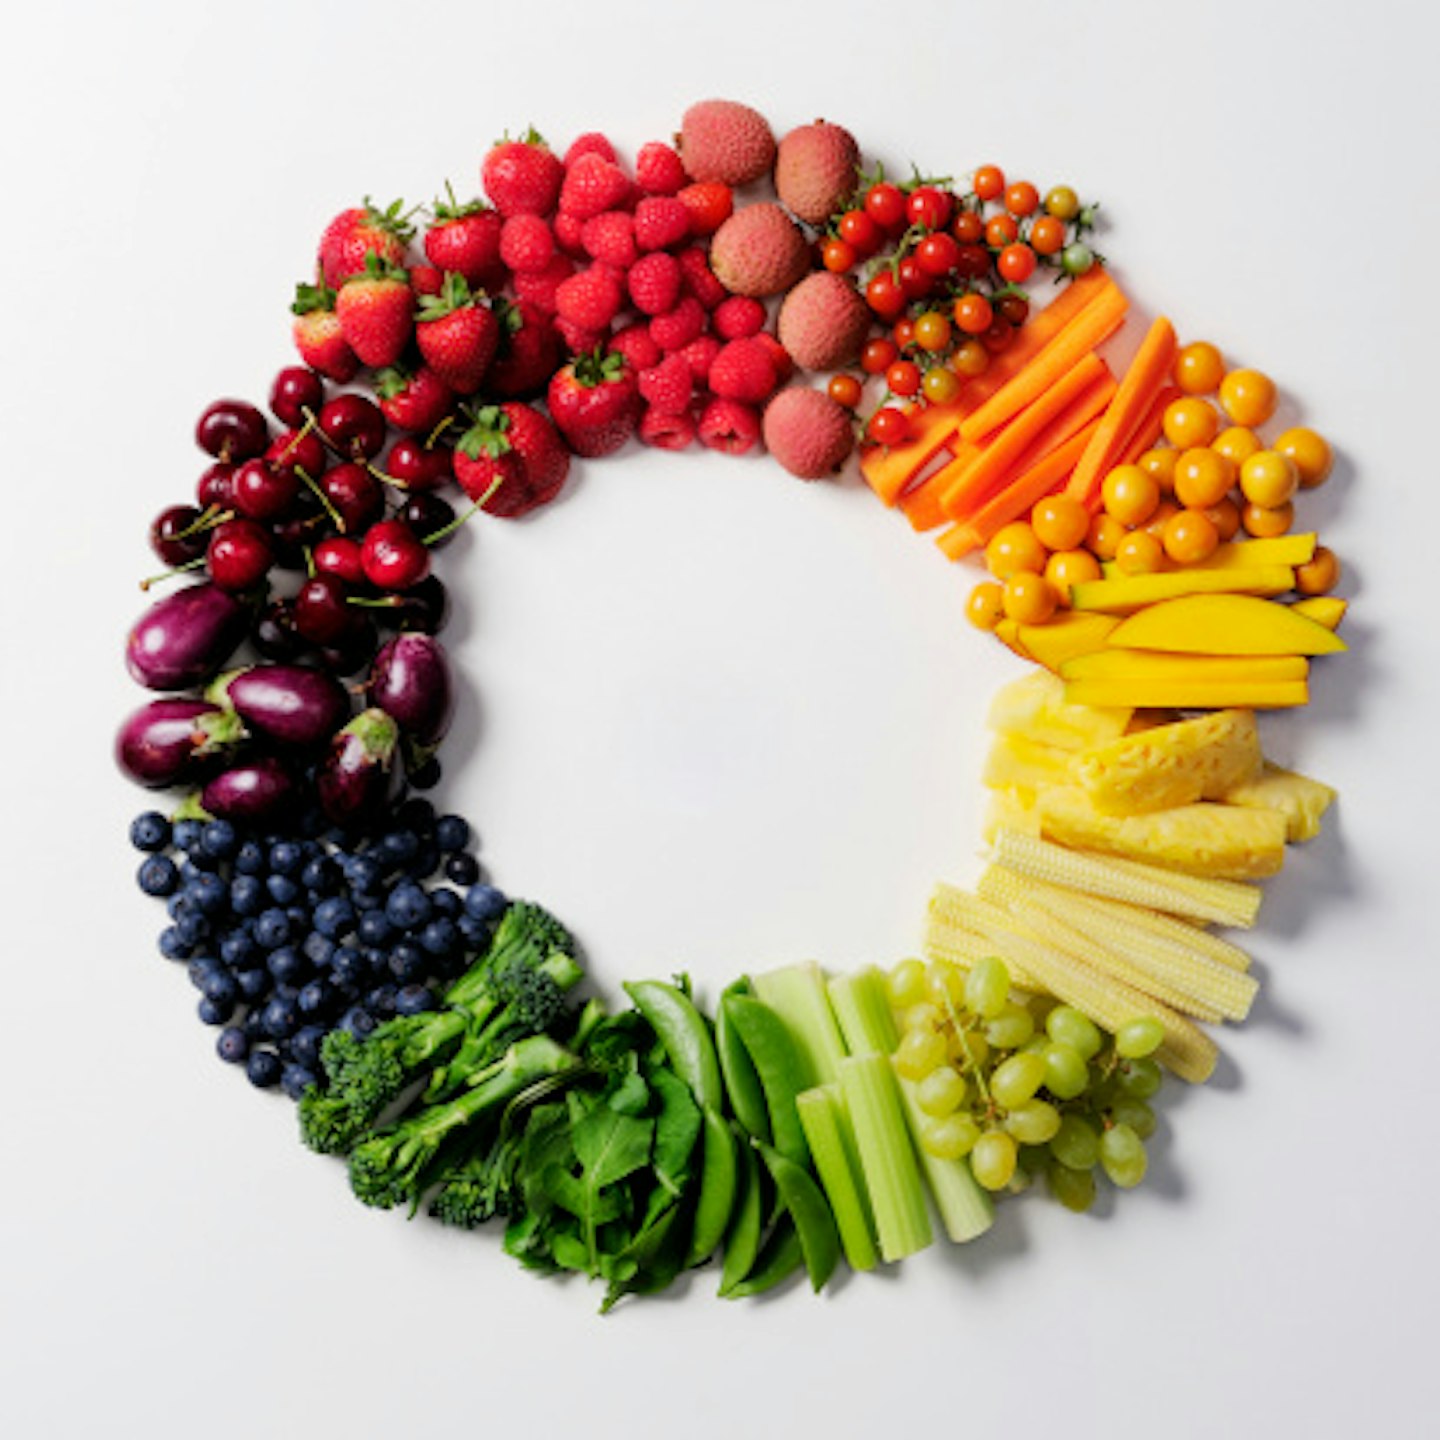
<point x="823" y="322"/>
<point x="726" y="141"/>
<point x="815" y="169"/>
<point x="759" y="251"/>
<point x="810" y="434"/>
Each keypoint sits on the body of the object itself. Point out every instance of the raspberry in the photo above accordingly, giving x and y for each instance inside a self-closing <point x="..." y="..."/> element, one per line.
<point x="668" y="385"/>
<point x="710" y="205"/>
<point x="678" y="327"/>
<point x="592" y="186"/>
<point x="654" y="282"/>
<point x="729" y="426"/>
<point x="527" y="244"/>
<point x="700" y="355"/>
<point x="590" y="298"/>
<point x="743" y="370"/>
<point x="610" y="237"/>
<point x="569" y="234"/>
<point x="592" y="142"/>
<point x="666" y="432"/>
<point x="700" y="280"/>
<point x="660" y="222"/>
<point x="737" y="317"/>
<point x="540" y="288"/>
<point x="658" y="170"/>
<point x="580" y="339"/>
<point x="638" y="346"/>
<point x="779" y="356"/>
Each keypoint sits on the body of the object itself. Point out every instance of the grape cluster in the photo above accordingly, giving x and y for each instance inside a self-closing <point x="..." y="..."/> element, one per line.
<point x="1021" y="1089"/>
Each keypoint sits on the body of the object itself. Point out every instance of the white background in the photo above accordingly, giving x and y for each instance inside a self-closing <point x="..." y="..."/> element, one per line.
<point x="718" y="720"/>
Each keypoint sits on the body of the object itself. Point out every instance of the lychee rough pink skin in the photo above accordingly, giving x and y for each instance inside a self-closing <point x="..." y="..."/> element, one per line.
<point x="759" y="251"/>
<point x="726" y="141"/>
<point x="815" y="170"/>
<point x="810" y="434"/>
<point x="823" y="322"/>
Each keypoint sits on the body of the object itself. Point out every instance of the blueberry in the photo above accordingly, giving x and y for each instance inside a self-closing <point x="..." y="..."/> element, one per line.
<point x="247" y="895"/>
<point x="282" y="889"/>
<point x="287" y="857"/>
<point x="440" y="937"/>
<point x="408" y="962"/>
<point x="178" y="905"/>
<point x="348" y="967"/>
<point x="220" y="985"/>
<point x="272" y="928"/>
<point x="408" y="906"/>
<point x="381" y="1001"/>
<point x="318" y="876"/>
<point x="215" y="1012"/>
<point x="286" y="964"/>
<point x="316" y="998"/>
<point x="208" y="893"/>
<point x="358" y="1021"/>
<point x="484" y="902"/>
<point x="374" y="927"/>
<point x="250" y="858"/>
<point x="416" y="814"/>
<point x="363" y="873"/>
<point x="279" y="1017"/>
<point x="238" y="949"/>
<point x="150" y="831"/>
<point x="186" y="834"/>
<point x="452" y="833"/>
<point x="262" y="1069"/>
<point x="305" y="1046"/>
<point x="219" y="839"/>
<point x="232" y="1045"/>
<point x="476" y="932"/>
<point x="254" y="984"/>
<point x="318" y="949"/>
<point x="192" y="928"/>
<point x="425" y="776"/>
<point x="398" y="847"/>
<point x="199" y="969"/>
<point x="157" y="875"/>
<point x="334" y="917"/>
<point x="295" y="1080"/>
<point x="425" y="862"/>
<point x="462" y="869"/>
<point x="413" y="1000"/>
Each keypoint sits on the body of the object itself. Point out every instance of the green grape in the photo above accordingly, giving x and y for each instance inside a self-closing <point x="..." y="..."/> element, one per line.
<point x="941" y="1091"/>
<point x="992" y="1160"/>
<point x="918" y="1053"/>
<point x="1127" y="1110"/>
<point x="1140" y="1078"/>
<point x="949" y="1137"/>
<point x="1067" y="1076"/>
<point x="1011" y="1028"/>
<point x="922" y="1016"/>
<point x="1033" y="1123"/>
<point x="1015" y="1080"/>
<point x="905" y="984"/>
<point x="1034" y="1160"/>
<point x="1068" y="1025"/>
<point x="945" y="985"/>
<point x="1037" y="1044"/>
<point x="1074" y="1189"/>
<point x="967" y="1048"/>
<point x="1076" y="1144"/>
<point x="987" y="987"/>
<point x="1122" y="1156"/>
<point x="1137" y="1038"/>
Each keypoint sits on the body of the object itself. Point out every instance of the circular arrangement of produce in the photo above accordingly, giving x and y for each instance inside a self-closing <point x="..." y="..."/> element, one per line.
<point x="959" y="341"/>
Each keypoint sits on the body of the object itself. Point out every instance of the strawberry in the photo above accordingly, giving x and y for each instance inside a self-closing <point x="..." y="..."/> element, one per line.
<point x="457" y="335"/>
<point x="374" y="308"/>
<point x="658" y="170"/>
<point x="413" y="399"/>
<point x="592" y="186"/>
<point x="522" y="177"/>
<point x="426" y="279"/>
<point x="660" y="222"/>
<point x="710" y="205"/>
<point x="318" y="336"/>
<point x="529" y="351"/>
<point x="466" y="239"/>
<point x="511" y="459"/>
<point x="591" y="298"/>
<point x="595" y="403"/>
<point x="654" y="284"/>
<point x="527" y="244"/>
<point x="354" y="234"/>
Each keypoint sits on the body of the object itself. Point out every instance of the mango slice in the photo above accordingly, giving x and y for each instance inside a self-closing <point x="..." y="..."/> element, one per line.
<point x="1326" y="610"/>
<point x="1123" y="595"/>
<point x="1224" y="625"/>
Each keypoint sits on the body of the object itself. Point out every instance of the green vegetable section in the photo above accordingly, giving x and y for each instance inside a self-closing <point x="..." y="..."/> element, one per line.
<point x="633" y="1146"/>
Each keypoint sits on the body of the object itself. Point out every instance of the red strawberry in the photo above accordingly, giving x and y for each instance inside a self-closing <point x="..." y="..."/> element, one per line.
<point x="669" y="385"/>
<point x="654" y="284"/>
<point x="666" y="432"/>
<point x="527" y="244"/>
<point x="729" y="426"/>
<point x="595" y="403"/>
<point x="660" y="222"/>
<point x="522" y="177"/>
<point x="466" y="239"/>
<point x="511" y="459"/>
<point x="457" y="335"/>
<point x="353" y="234"/>
<point x="318" y="336"/>
<point x="426" y="279"/>
<point x="658" y="170"/>
<point x="591" y="298"/>
<point x="743" y="370"/>
<point x="529" y="351"/>
<point x="416" y="400"/>
<point x="592" y="186"/>
<point x="374" y="308"/>
<point x="710" y="205"/>
<point x="592" y="142"/>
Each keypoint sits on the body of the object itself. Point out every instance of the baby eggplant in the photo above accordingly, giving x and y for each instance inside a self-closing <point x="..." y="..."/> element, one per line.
<point x="256" y="789"/>
<point x="356" y="779"/>
<point x="292" y="705"/>
<point x="410" y="681"/>
<point x="182" y="640"/>
<point x="176" y="741"/>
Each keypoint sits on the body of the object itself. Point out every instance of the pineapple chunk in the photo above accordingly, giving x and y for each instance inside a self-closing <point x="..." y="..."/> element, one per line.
<point x="1301" y="800"/>
<point x="1171" y="765"/>
<point x="1034" y="706"/>
<point x="1219" y="842"/>
<point x="1015" y="761"/>
<point x="1012" y="810"/>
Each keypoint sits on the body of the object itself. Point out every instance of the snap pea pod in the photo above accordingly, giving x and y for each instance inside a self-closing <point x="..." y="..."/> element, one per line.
<point x="780" y="1257"/>
<point x="742" y="1241"/>
<point x="684" y="1034"/>
<point x="719" y="1187"/>
<point x="778" y="1063"/>
<point x="742" y="1084"/>
<point x="810" y="1213"/>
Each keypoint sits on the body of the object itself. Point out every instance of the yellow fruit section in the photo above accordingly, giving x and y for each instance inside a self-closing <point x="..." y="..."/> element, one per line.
<point x="1122" y="596"/>
<point x="1035" y="706"/>
<point x="1144" y="665"/>
<point x="1326" y="610"/>
<point x="1224" y="625"/>
<point x="1067" y="636"/>
<point x="1190" y="694"/>
<point x="1301" y="800"/>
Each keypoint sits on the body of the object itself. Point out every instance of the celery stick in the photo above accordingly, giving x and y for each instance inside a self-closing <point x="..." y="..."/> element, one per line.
<point x="966" y="1209"/>
<point x="887" y="1156"/>
<point x="797" y="994"/>
<point x="862" y="1005"/>
<point x="832" y="1149"/>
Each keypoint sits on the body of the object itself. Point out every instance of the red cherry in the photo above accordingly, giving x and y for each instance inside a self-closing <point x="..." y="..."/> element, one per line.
<point x="427" y="514"/>
<point x="355" y="493"/>
<point x="231" y="430"/>
<point x="263" y="492"/>
<point x="411" y="464"/>
<point x="168" y="537"/>
<point x="214" y="486"/>
<point x="339" y="555"/>
<point x="299" y="449"/>
<point x="294" y="391"/>
<point x="321" y="614"/>
<point x="239" y="554"/>
<point x="393" y="557"/>
<point x="354" y="425"/>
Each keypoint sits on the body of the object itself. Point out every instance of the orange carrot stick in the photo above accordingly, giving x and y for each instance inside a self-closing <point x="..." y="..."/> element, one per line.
<point x="1147" y="432"/>
<point x="921" y="504"/>
<point x="888" y="469"/>
<point x="1146" y="377"/>
<point x="1082" y="334"/>
<point x="971" y="485"/>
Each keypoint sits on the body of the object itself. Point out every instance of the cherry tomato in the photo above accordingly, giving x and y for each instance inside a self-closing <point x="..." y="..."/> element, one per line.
<point x="1014" y="308"/>
<point x="878" y="355"/>
<point x="985" y="605"/>
<point x="929" y="206"/>
<point x="884" y="295"/>
<point x="1014" y="547"/>
<point x="1269" y="479"/>
<point x="844" y="390"/>
<point x="1161" y="464"/>
<point x="998" y="335"/>
<point x="940" y="386"/>
<point x="858" y="229"/>
<point x="1189" y="537"/>
<point x="1309" y="453"/>
<point x="1022" y="199"/>
<point x="973" y="313"/>
<point x="903" y="378"/>
<point x="885" y="205"/>
<point x="1000" y="231"/>
<point x="1320" y="574"/>
<point x="1029" y="598"/>
<point x="1265" y="522"/>
<point x="1190" y="422"/>
<point x="1247" y="397"/>
<point x="1062" y="202"/>
<point x="1203" y="477"/>
<point x="1139" y="553"/>
<point x="988" y="182"/>
<point x="1237" y="444"/>
<point x="968" y="228"/>
<point x="1077" y="258"/>
<point x="973" y="262"/>
<point x="938" y="254"/>
<point x="1047" y="235"/>
<point x="1067" y="568"/>
<point x="1016" y="263"/>
<point x="914" y="280"/>
<point x="888" y="426"/>
<point x="903" y="332"/>
<point x="1199" y="368"/>
<point x="932" y="331"/>
<point x="1130" y="494"/>
<point x="1060" y="522"/>
<point x="1106" y="533"/>
<point x="970" y="359"/>
<point x="838" y="255"/>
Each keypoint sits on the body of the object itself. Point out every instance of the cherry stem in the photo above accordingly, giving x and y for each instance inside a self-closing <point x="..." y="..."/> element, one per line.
<point x="434" y="435"/>
<point x="385" y="478"/>
<point x="208" y="519"/>
<point x="170" y="574"/>
<point x="322" y="497"/>
<point x="459" y="520"/>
